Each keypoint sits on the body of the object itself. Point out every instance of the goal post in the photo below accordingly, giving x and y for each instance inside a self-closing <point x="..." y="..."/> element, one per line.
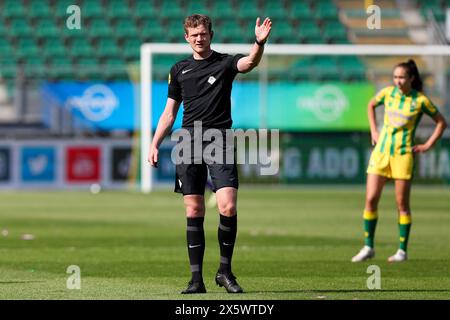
<point x="150" y="49"/>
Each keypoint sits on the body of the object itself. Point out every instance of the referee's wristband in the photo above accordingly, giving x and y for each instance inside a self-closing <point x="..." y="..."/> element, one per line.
<point x="259" y="43"/>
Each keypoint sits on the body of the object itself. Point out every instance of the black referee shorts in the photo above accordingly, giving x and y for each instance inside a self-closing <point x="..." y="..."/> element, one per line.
<point x="190" y="178"/>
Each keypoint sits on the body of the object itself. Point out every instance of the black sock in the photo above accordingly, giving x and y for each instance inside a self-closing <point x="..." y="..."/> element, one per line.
<point x="196" y="246"/>
<point x="227" y="236"/>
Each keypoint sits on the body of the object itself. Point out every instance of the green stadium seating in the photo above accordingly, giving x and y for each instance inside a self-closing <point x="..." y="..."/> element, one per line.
<point x="300" y="11"/>
<point x="131" y="49"/>
<point x="115" y="68"/>
<point x="40" y="9"/>
<point x="153" y="31"/>
<point x="334" y="30"/>
<point x="6" y="49"/>
<point x="12" y="9"/>
<point x="222" y="11"/>
<point x="88" y="68"/>
<point x="175" y="31"/>
<point x="249" y="10"/>
<point x="61" y="68"/>
<point x="80" y="47"/>
<point x="35" y="68"/>
<point x="199" y="6"/>
<point x="20" y="27"/>
<point x="229" y="32"/>
<point x="352" y="69"/>
<point x="172" y="10"/>
<point x="309" y="32"/>
<point x="4" y="30"/>
<point x="325" y="68"/>
<point x="283" y="33"/>
<point x="46" y="28"/>
<point x="8" y="65"/>
<point x="93" y="9"/>
<point x="100" y="28"/>
<point x="145" y="10"/>
<point x="60" y="8"/>
<point x="125" y="28"/>
<point x="275" y="10"/>
<point x="54" y="47"/>
<point x="326" y="10"/>
<point x="118" y="9"/>
<point x="107" y="47"/>
<point x="26" y="48"/>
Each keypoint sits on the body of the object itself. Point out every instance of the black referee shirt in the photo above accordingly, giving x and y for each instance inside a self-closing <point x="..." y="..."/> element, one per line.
<point x="204" y="86"/>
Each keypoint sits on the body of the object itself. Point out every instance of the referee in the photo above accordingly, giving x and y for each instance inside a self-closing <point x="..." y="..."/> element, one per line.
<point x="203" y="83"/>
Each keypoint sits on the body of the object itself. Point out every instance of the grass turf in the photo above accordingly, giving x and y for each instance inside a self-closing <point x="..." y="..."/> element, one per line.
<point x="293" y="243"/>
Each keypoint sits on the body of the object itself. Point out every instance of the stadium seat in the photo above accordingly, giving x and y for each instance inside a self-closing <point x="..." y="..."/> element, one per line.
<point x="222" y="10"/>
<point x="248" y="10"/>
<point x="8" y="65"/>
<point x="275" y="10"/>
<point x="197" y="6"/>
<point x="125" y="28"/>
<point x="100" y="28"/>
<point x="20" y="27"/>
<point x="145" y="10"/>
<point x="118" y="9"/>
<point x="172" y="10"/>
<point x="88" y="68"/>
<point x="309" y="32"/>
<point x="4" y="30"/>
<point x="40" y="9"/>
<point x="61" y="68"/>
<point x="53" y="47"/>
<point x="115" y="68"/>
<point x="299" y="11"/>
<point x="333" y="30"/>
<point x="6" y="49"/>
<point x="325" y="68"/>
<point x="229" y="31"/>
<point x="80" y="47"/>
<point x="13" y="9"/>
<point x="131" y="49"/>
<point x="93" y="9"/>
<point x="283" y="33"/>
<point x="326" y="10"/>
<point x="26" y="48"/>
<point x="46" y="28"/>
<point x="152" y="31"/>
<point x="35" y="68"/>
<point x="107" y="47"/>
<point x="174" y="32"/>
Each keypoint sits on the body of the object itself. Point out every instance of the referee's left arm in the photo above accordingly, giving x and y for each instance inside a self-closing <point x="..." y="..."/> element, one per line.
<point x="247" y="63"/>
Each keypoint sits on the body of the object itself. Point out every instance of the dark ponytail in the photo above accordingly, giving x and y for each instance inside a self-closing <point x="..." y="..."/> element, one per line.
<point x="412" y="70"/>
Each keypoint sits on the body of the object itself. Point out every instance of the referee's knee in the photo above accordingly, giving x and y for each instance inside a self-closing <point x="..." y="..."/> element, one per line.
<point x="195" y="211"/>
<point x="227" y="209"/>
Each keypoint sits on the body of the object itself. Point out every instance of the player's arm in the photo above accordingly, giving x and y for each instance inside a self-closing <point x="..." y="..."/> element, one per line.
<point x="247" y="63"/>
<point x="373" y="120"/>
<point x="437" y="133"/>
<point x="375" y="102"/>
<point x="164" y="126"/>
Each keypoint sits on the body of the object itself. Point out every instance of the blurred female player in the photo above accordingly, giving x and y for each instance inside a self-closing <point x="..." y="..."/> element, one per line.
<point x="393" y="155"/>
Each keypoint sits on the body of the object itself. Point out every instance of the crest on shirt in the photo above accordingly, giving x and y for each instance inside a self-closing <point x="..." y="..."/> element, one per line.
<point x="211" y="80"/>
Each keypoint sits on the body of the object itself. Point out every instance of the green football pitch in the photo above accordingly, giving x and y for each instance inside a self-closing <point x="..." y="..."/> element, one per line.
<point x="293" y="243"/>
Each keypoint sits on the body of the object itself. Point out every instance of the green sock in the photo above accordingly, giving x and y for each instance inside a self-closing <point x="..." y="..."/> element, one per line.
<point x="404" y="226"/>
<point x="370" y="223"/>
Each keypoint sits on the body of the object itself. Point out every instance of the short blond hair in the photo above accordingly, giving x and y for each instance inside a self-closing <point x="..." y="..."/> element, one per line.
<point x="196" y="20"/>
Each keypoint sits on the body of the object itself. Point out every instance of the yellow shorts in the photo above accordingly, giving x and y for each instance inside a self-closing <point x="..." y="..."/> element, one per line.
<point x="393" y="167"/>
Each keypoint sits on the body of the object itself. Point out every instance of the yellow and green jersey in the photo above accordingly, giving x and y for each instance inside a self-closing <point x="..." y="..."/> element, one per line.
<point x="402" y="114"/>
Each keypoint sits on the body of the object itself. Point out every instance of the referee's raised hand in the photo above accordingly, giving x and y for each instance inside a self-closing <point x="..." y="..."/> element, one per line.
<point x="262" y="31"/>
